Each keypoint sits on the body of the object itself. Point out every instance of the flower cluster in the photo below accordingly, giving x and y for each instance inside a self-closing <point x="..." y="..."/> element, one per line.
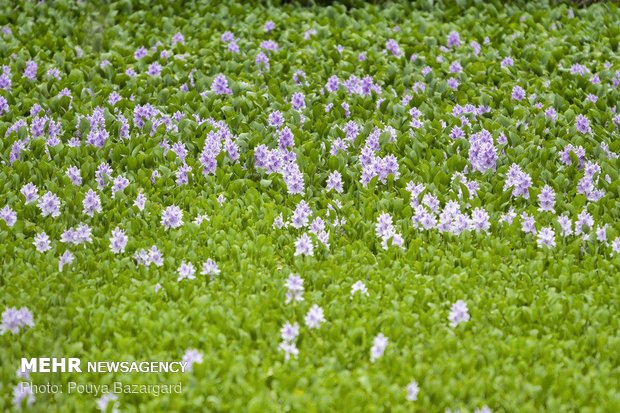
<point x="14" y="320"/>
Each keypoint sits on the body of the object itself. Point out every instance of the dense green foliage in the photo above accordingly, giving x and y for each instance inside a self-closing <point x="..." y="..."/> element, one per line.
<point x="543" y="333"/>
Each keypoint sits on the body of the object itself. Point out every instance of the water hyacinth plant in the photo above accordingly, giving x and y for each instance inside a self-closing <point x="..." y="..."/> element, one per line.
<point x="408" y="206"/>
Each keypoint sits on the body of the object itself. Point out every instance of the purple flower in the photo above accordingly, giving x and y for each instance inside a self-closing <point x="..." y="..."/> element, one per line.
<point x="14" y="320"/>
<point x="234" y="48"/>
<point x="106" y="399"/>
<point x="412" y="391"/>
<point x="582" y="124"/>
<point x="53" y="73"/>
<point x="454" y="39"/>
<point x="584" y="219"/>
<point x="30" y="192"/>
<point x="546" y="237"/>
<point x="269" y="45"/>
<point x="42" y="242"/>
<point x="172" y="217"/>
<point x="118" y="241"/>
<point x="456" y="133"/>
<point x="30" y="71"/>
<point x="74" y="175"/>
<point x="334" y="182"/>
<point x="458" y="313"/>
<point x="286" y="139"/>
<point x="384" y="227"/>
<point x="49" y="204"/>
<point x="140" y="201"/>
<point x="300" y="215"/>
<point x="114" y="98"/>
<point x="298" y="101"/>
<point x="269" y="26"/>
<point x="546" y="199"/>
<point x="507" y="62"/>
<point x="78" y="235"/>
<point x="8" y="215"/>
<point x="178" y="38"/>
<point x="4" y="106"/>
<point x="518" y="93"/>
<point x="295" y="288"/>
<point x="262" y="59"/>
<point x="210" y="268"/>
<point x="154" y="256"/>
<point x="480" y="220"/>
<point x="220" y="85"/>
<point x="601" y="233"/>
<point x="579" y="151"/>
<point x="154" y="69"/>
<point x="528" y="224"/>
<point x="140" y="53"/>
<point x="5" y="78"/>
<point x="303" y="246"/>
<point x="21" y="393"/>
<point x="192" y="357"/>
<point x="186" y="270"/>
<point x="309" y="33"/>
<point x="65" y="259"/>
<point x="379" y="345"/>
<point x="120" y="183"/>
<point x="290" y="350"/>
<point x="566" y="224"/>
<point x="289" y="332"/>
<point x="551" y="113"/>
<point x="91" y="203"/>
<point x="333" y="83"/>
<point x="519" y="181"/>
<point x="578" y="69"/>
<point x="392" y="46"/>
<point x="315" y="317"/>
<point x="228" y="37"/>
<point x="359" y="287"/>
<point x="482" y="153"/>
<point x="275" y="119"/>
